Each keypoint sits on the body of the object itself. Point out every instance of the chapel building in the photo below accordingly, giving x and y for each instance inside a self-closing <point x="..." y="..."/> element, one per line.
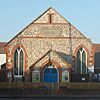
<point x="50" y="49"/>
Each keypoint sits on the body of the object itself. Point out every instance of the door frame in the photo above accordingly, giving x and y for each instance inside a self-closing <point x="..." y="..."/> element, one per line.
<point x="57" y="73"/>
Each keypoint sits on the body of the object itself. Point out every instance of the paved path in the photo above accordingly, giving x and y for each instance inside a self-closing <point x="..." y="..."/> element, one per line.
<point x="55" y="98"/>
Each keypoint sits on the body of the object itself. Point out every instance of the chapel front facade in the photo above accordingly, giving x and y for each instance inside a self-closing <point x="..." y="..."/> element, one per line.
<point x="49" y="49"/>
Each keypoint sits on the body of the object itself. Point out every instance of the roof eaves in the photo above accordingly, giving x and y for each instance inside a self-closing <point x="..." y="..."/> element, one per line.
<point x="27" y="26"/>
<point x="40" y="58"/>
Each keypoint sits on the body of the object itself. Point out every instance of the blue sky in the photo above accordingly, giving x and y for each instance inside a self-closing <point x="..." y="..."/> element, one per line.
<point x="16" y="14"/>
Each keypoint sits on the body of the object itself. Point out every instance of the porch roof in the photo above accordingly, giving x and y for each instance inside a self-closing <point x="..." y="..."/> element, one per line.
<point x="66" y="61"/>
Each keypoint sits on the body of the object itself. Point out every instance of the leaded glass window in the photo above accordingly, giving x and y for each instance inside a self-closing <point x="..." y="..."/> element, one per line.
<point x="78" y="62"/>
<point x="81" y="61"/>
<point x="16" y="63"/>
<point x="19" y="62"/>
<point x="84" y="69"/>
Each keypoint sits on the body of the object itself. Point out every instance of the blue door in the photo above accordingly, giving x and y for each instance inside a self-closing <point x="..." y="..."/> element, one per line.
<point x="50" y="75"/>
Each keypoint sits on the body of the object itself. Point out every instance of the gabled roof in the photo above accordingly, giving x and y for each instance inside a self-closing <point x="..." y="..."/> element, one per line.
<point x="2" y="44"/>
<point x="40" y="58"/>
<point x="41" y="17"/>
<point x="66" y="57"/>
<point x="97" y="47"/>
<point x="62" y="59"/>
<point x="27" y="26"/>
<point x="49" y="11"/>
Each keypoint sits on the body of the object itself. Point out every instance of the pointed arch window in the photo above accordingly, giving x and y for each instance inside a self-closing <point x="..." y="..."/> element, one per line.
<point x="81" y="61"/>
<point x="19" y="62"/>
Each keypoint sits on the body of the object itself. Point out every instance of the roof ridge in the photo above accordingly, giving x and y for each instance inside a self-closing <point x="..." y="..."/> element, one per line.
<point x="28" y="25"/>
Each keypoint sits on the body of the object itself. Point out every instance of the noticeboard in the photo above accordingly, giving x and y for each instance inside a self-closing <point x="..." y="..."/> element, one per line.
<point x="65" y="76"/>
<point x="35" y="76"/>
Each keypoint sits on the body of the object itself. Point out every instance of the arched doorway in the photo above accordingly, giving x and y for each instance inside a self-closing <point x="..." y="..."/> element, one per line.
<point x="50" y="73"/>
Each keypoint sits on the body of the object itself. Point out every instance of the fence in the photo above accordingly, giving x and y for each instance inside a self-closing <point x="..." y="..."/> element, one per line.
<point x="71" y="85"/>
<point x="51" y="88"/>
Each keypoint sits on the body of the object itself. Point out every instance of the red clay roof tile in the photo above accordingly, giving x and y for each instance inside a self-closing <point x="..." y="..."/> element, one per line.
<point x="2" y="44"/>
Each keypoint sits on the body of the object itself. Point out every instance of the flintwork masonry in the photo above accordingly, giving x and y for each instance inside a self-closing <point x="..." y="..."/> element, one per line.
<point x="48" y="39"/>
